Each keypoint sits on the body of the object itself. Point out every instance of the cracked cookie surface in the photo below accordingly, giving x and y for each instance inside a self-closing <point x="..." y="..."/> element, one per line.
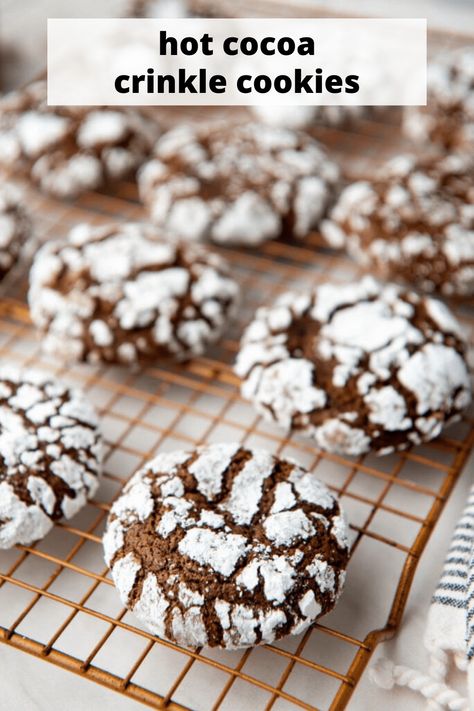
<point x="413" y="222"/>
<point x="356" y="367"/>
<point x="226" y="546"/>
<point x="239" y="184"/>
<point x="448" y="118"/>
<point x="50" y="449"/>
<point x="66" y="151"/>
<point x="122" y="294"/>
<point x="15" y="226"/>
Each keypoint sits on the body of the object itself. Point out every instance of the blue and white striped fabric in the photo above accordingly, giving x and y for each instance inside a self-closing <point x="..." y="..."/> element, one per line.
<point x="450" y="629"/>
<point x="451" y="590"/>
<point x="470" y="603"/>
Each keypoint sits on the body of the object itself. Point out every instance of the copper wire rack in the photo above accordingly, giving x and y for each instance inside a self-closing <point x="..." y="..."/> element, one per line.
<point x="57" y="601"/>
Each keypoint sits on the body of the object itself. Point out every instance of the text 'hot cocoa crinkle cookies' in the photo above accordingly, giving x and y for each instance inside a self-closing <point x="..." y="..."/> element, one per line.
<point x="50" y="450"/>
<point x="68" y="150"/>
<point x="414" y="222"/>
<point x="120" y="294"/>
<point x="447" y="120"/>
<point x="15" y="227"/>
<point x="239" y="184"/>
<point x="357" y="367"/>
<point x="226" y="546"/>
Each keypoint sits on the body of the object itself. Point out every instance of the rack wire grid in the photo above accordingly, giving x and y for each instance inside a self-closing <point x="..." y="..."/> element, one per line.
<point x="57" y="600"/>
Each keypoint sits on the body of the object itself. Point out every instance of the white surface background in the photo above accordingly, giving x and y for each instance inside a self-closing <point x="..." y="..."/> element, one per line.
<point x="31" y="684"/>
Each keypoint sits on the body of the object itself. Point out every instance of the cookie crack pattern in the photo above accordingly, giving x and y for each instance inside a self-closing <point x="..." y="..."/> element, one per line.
<point x="238" y="184"/>
<point x="69" y="150"/>
<point x="358" y="367"/>
<point x="448" y="118"/>
<point x="15" y="227"/>
<point x="413" y="222"/>
<point x="121" y="293"/>
<point x="50" y="454"/>
<point x="226" y="546"/>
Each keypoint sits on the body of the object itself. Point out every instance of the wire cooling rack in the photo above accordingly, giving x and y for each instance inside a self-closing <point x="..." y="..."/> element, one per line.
<point x="57" y="601"/>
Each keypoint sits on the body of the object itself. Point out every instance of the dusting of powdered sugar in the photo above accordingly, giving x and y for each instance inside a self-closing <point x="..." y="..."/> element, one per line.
<point x="237" y="184"/>
<point x="68" y="150"/>
<point x="209" y="467"/>
<point x="220" y="550"/>
<point x="14" y="226"/>
<point x="35" y="412"/>
<point x="435" y="375"/>
<point x="411" y="222"/>
<point x="244" y="498"/>
<point x="448" y="117"/>
<point x="287" y="527"/>
<point x="382" y="339"/>
<point x="127" y="288"/>
<point x="286" y="387"/>
<point x="209" y="535"/>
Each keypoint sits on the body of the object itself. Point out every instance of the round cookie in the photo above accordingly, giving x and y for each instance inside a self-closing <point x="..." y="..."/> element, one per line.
<point x="15" y="227"/>
<point x="226" y="546"/>
<point x="414" y="221"/>
<point x="120" y="294"/>
<point x="50" y="448"/>
<point x="448" y="118"/>
<point x="357" y="367"/>
<point x="68" y="150"/>
<point x="240" y="184"/>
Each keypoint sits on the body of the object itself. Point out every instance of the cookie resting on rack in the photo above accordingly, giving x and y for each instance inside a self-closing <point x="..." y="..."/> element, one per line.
<point x="358" y="367"/>
<point x="447" y="120"/>
<point x="226" y="546"/>
<point x="68" y="150"/>
<point x="15" y="227"/>
<point x="238" y="184"/>
<point x="50" y="449"/>
<point x="413" y="222"/>
<point x="121" y="294"/>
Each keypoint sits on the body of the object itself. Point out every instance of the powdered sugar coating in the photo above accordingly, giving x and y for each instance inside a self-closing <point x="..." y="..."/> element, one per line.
<point x="50" y="447"/>
<point x="448" y="117"/>
<point x="222" y="574"/>
<point x="121" y="293"/>
<point x="14" y="226"/>
<point x="357" y="367"/>
<point x="67" y="150"/>
<point x="241" y="184"/>
<point x="414" y="221"/>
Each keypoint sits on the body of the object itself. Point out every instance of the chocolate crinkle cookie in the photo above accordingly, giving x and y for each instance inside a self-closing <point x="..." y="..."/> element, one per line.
<point x="122" y="294"/>
<point x="15" y="226"/>
<point x="448" y="118"/>
<point x="226" y="546"/>
<point x="414" y="221"/>
<point x="356" y="367"/>
<point x="68" y="150"/>
<point x="239" y="184"/>
<point x="50" y="450"/>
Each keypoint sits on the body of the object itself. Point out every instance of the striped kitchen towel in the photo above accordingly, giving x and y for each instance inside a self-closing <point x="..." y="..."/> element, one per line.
<point x="450" y="628"/>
